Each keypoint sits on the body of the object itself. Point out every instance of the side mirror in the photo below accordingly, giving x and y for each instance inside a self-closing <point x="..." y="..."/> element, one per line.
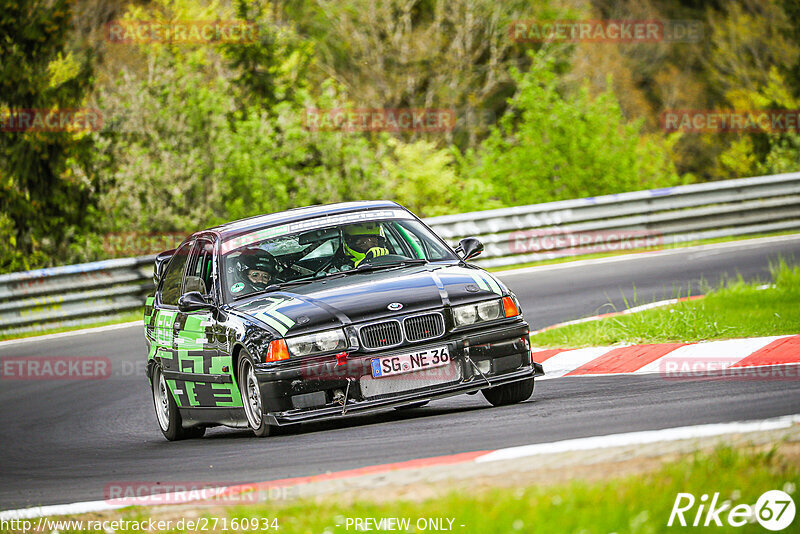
<point x="193" y="301"/>
<point x="469" y="247"/>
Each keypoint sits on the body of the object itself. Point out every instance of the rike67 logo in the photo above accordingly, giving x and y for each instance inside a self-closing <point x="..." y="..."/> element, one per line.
<point x="774" y="510"/>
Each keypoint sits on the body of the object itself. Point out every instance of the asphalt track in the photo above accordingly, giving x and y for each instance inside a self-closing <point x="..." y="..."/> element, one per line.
<point x="65" y="441"/>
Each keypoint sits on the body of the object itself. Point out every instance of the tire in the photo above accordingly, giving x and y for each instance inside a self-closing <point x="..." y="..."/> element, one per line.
<point x="412" y="406"/>
<point x="251" y="396"/>
<point x="167" y="415"/>
<point x="509" y="393"/>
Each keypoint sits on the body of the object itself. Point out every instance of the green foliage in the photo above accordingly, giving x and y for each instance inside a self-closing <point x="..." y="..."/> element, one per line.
<point x="550" y="146"/>
<point x="274" y="67"/>
<point x="188" y="151"/>
<point x="452" y="54"/>
<point x="271" y="162"/>
<point x="47" y="185"/>
<point x="423" y="178"/>
<point x="753" y="50"/>
<point x="784" y="154"/>
<point x="197" y="134"/>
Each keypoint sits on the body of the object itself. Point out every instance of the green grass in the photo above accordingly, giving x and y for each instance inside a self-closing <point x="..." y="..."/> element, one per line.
<point x="734" y="310"/>
<point x="124" y="317"/>
<point x="639" y="250"/>
<point x="638" y="504"/>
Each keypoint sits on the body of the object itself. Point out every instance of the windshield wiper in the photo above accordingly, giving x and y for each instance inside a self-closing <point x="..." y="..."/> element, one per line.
<point x="361" y="269"/>
<point x="281" y="285"/>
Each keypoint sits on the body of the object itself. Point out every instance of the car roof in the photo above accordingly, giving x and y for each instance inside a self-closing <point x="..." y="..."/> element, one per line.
<point x="244" y="226"/>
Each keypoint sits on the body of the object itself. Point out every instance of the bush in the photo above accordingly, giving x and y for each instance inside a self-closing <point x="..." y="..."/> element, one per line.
<point x="549" y="146"/>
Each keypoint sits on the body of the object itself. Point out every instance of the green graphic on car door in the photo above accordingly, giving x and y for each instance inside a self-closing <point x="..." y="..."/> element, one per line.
<point x="189" y="349"/>
<point x="196" y="354"/>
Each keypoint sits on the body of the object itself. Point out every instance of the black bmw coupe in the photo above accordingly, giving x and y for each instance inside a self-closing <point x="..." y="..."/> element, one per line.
<point x="320" y="312"/>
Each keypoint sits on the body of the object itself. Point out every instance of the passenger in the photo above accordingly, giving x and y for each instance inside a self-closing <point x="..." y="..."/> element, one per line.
<point x="256" y="271"/>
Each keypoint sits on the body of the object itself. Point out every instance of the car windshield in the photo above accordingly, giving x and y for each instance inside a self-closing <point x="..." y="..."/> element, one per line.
<point x="267" y="259"/>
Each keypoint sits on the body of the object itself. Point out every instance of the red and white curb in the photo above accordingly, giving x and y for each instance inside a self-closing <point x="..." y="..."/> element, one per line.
<point x="674" y="360"/>
<point x="479" y="457"/>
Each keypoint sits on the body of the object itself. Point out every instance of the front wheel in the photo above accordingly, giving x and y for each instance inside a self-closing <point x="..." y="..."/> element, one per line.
<point x="509" y="393"/>
<point x="251" y="396"/>
<point x="169" y="420"/>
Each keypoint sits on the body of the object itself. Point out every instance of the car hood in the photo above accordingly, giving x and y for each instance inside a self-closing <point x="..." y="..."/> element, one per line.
<point x="367" y="296"/>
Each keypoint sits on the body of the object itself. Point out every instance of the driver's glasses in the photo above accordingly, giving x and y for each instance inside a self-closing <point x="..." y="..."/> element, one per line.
<point x="363" y="243"/>
<point x="258" y="277"/>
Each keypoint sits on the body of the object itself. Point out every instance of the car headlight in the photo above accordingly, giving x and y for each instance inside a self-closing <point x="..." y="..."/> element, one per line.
<point x="325" y="341"/>
<point x="465" y="314"/>
<point x="489" y="311"/>
<point x="474" y="313"/>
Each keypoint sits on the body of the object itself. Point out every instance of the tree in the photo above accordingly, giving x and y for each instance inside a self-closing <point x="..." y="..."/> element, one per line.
<point x="47" y="185"/>
<point x="551" y="147"/>
<point x="446" y="54"/>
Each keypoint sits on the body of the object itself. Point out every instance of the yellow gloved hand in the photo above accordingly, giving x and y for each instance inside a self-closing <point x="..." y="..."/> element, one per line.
<point x="374" y="252"/>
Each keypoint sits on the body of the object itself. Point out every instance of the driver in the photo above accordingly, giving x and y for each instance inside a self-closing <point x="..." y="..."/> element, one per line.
<point x="364" y="242"/>
<point x="256" y="271"/>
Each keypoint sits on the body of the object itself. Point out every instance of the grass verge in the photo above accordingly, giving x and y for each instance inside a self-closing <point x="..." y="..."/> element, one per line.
<point x="734" y="310"/>
<point x="637" y="504"/>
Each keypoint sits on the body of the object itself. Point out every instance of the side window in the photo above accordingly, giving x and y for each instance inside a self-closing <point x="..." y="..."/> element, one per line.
<point x="173" y="276"/>
<point x="198" y="275"/>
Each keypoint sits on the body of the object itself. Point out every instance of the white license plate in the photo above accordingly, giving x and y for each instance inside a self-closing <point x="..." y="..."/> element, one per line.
<point x="408" y="363"/>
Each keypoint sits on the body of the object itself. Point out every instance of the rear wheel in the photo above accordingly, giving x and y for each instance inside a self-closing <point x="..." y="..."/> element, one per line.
<point x="169" y="419"/>
<point x="509" y="393"/>
<point x="251" y="396"/>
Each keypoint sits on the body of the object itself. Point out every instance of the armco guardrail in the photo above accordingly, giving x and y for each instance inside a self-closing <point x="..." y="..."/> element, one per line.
<point x="657" y="217"/>
<point x="77" y="294"/>
<point x="73" y="294"/>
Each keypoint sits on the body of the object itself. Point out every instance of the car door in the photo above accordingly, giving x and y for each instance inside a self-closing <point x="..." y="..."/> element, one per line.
<point x="201" y="360"/>
<point x="166" y="312"/>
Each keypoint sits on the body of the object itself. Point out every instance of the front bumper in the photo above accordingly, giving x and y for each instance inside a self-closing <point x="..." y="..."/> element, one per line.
<point x="302" y="391"/>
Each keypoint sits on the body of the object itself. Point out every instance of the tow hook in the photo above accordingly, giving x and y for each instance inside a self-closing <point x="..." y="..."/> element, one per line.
<point x="341" y="397"/>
